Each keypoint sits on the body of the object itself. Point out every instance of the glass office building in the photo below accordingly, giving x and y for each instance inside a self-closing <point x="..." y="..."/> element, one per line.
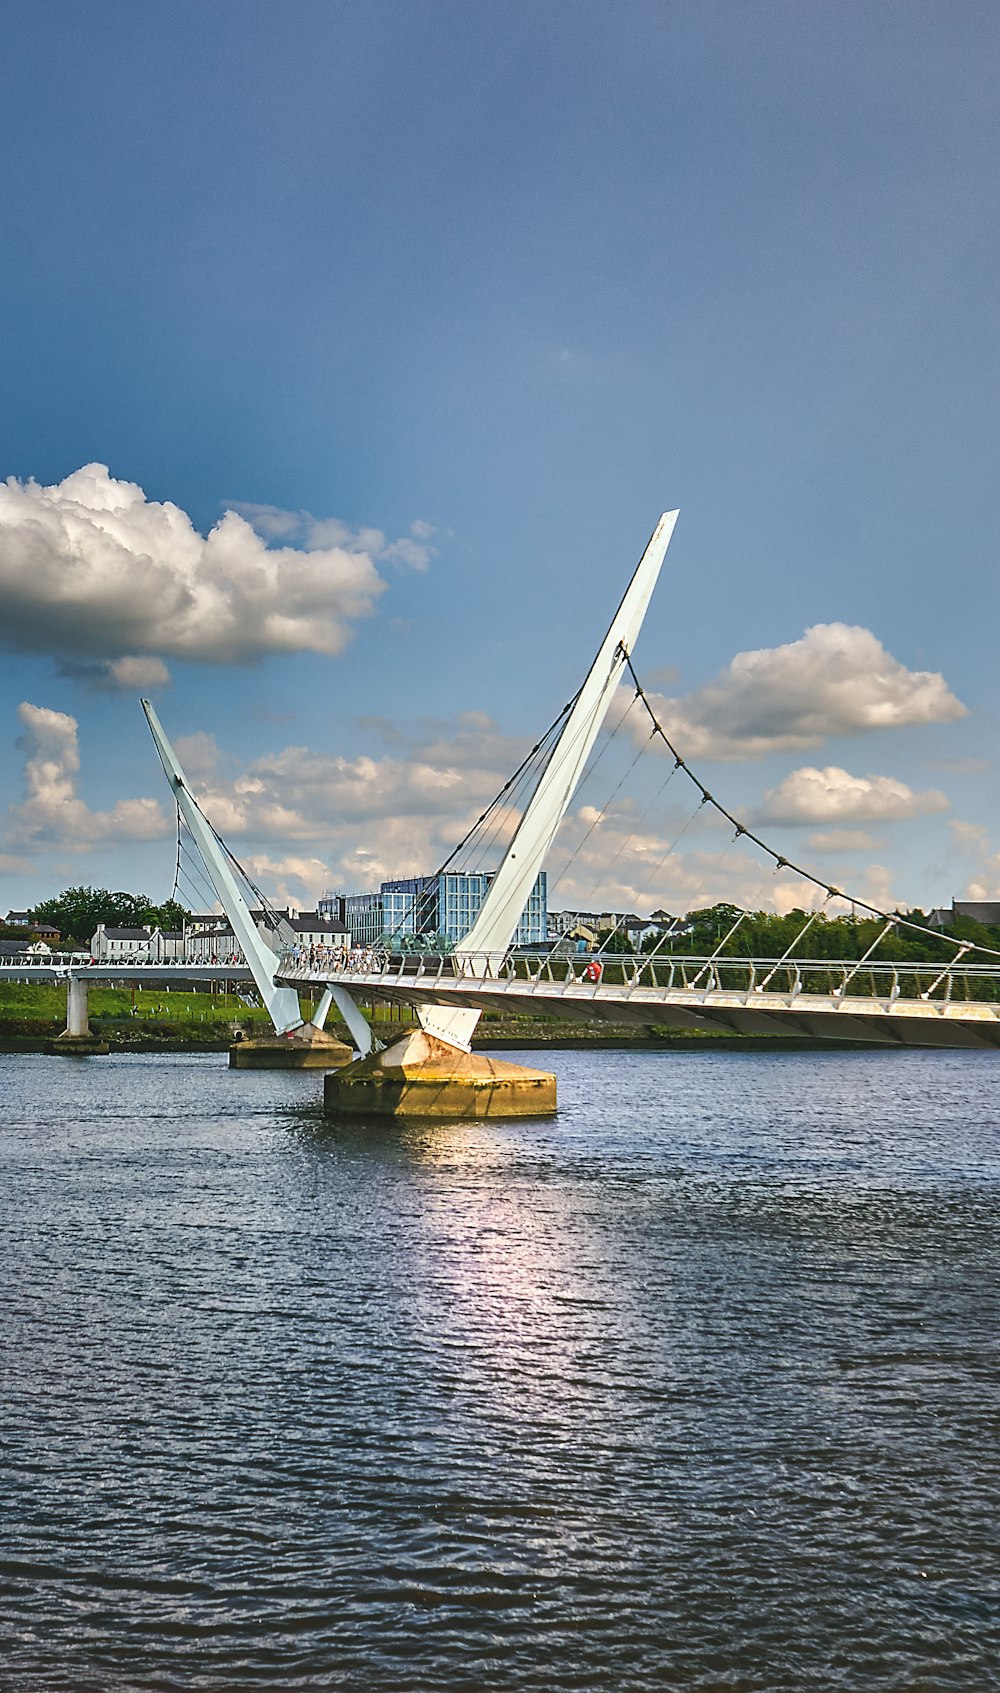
<point x="448" y="905"/>
<point x="363" y="917"/>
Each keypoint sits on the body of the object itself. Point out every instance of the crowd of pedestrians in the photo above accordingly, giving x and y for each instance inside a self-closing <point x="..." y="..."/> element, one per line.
<point x="358" y="960"/>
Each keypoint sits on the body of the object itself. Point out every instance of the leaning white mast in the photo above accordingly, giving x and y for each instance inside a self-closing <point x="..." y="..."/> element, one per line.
<point x="501" y="909"/>
<point x="282" y="1003"/>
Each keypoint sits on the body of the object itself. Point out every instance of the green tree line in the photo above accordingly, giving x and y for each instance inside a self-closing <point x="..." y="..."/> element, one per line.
<point x="763" y="934"/>
<point x="77" y="912"/>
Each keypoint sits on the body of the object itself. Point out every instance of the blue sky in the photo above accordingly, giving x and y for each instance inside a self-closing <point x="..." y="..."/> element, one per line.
<point x="455" y="301"/>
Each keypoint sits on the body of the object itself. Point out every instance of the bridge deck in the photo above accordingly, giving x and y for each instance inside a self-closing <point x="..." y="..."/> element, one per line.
<point x="889" y="1018"/>
<point x="159" y="975"/>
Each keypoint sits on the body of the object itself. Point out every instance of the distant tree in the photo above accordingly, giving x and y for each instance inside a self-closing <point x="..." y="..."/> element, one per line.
<point x="77" y="912"/>
<point x="169" y="915"/>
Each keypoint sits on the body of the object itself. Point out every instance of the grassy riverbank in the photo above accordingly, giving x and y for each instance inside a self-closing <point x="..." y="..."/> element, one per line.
<point x="158" y="1019"/>
<point x="34" y="1013"/>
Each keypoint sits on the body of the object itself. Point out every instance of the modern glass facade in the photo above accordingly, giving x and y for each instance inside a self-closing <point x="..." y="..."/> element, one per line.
<point x="449" y="904"/>
<point x="363" y="916"/>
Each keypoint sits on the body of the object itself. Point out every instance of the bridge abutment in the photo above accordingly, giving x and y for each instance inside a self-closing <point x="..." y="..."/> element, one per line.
<point x="419" y="1075"/>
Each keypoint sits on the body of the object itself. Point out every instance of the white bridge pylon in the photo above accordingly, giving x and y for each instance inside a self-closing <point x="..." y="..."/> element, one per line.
<point x="500" y="912"/>
<point x="281" y="1003"/>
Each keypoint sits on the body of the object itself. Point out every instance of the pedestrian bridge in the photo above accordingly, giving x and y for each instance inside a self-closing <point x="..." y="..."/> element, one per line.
<point x="60" y="967"/>
<point x="897" y="1005"/>
<point x="649" y="807"/>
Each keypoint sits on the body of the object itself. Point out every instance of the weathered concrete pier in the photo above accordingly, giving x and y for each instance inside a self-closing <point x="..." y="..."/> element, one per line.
<point x="421" y="1076"/>
<point x="76" y="1040"/>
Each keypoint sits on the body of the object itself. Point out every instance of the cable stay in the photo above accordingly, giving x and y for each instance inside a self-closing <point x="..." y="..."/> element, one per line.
<point x="781" y="862"/>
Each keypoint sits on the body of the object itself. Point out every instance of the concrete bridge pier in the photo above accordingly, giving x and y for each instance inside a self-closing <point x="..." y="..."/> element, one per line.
<point x="420" y="1075"/>
<point x="76" y="1040"/>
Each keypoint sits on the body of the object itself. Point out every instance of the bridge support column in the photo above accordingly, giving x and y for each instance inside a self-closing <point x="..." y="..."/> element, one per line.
<point x="420" y="1075"/>
<point x="76" y="1039"/>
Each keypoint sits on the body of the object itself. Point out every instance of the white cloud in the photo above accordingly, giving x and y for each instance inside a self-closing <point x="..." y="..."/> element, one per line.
<point x="14" y="864"/>
<point x="843" y="840"/>
<point x="92" y="570"/>
<point x="301" y="529"/>
<point x="198" y="755"/>
<point x="837" y="679"/>
<point x="302" y="821"/>
<point x="972" y="841"/>
<point x="52" y="813"/>
<point x="969" y="838"/>
<point x="629" y="868"/>
<point x="833" y="795"/>
<point x="365" y="818"/>
<point x="118" y="675"/>
<point x="290" y="879"/>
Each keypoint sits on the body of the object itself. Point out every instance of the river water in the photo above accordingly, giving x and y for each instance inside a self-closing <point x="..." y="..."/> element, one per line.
<point x="695" y="1385"/>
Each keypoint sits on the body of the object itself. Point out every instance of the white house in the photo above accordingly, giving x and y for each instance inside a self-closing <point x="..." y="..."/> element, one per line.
<point x="119" y="946"/>
<point x="313" y="930"/>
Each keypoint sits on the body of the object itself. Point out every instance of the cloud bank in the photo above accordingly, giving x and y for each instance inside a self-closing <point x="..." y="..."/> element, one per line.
<point x="837" y="679"/>
<point x="112" y="582"/>
<point x="52" y="812"/>
<point x="833" y="795"/>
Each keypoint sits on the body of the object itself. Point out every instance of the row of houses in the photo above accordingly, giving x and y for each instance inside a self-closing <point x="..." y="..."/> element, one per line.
<point x="207" y="938"/>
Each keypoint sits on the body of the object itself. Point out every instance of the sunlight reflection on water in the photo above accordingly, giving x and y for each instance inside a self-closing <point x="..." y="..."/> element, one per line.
<point x="695" y="1384"/>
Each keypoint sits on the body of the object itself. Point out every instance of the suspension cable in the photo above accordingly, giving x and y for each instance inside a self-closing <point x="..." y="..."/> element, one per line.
<point x="780" y="860"/>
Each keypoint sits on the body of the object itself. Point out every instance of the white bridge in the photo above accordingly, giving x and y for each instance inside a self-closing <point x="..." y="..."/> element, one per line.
<point x="954" y="1002"/>
<point x="900" y="1005"/>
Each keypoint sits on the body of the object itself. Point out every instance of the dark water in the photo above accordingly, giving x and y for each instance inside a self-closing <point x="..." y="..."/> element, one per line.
<point x="695" y="1386"/>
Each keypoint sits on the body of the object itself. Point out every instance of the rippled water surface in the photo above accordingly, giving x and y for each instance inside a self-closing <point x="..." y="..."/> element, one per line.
<point x="695" y="1385"/>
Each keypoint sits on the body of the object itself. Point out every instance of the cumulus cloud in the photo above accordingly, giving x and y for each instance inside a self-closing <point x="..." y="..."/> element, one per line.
<point x="971" y="842"/>
<point x="302" y="529"/>
<point x="94" y="572"/>
<point x="833" y="795"/>
<point x="52" y="812"/>
<point x="118" y="675"/>
<point x="843" y="840"/>
<point x="199" y="755"/>
<point x="356" y="821"/>
<point x="969" y="838"/>
<point x="628" y="868"/>
<point x="290" y="879"/>
<point x="837" y="679"/>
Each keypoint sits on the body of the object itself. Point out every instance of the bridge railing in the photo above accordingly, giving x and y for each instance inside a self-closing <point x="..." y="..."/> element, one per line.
<point x="39" y="962"/>
<point x="835" y="979"/>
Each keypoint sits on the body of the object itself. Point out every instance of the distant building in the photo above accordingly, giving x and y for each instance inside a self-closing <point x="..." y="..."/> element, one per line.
<point x="145" y="945"/>
<point x="363" y="915"/>
<point x="977" y="910"/>
<point x="46" y="932"/>
<point x="333" y="906"/>
<point x="40" y="931"/>
<point x="312" y="929"/>
<point x="166" y="946"/>
<point x="114" y="946"/>
<point x="209" y="939"/>
<point x="602" y="922"/>
<point x="449" y="903"/>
